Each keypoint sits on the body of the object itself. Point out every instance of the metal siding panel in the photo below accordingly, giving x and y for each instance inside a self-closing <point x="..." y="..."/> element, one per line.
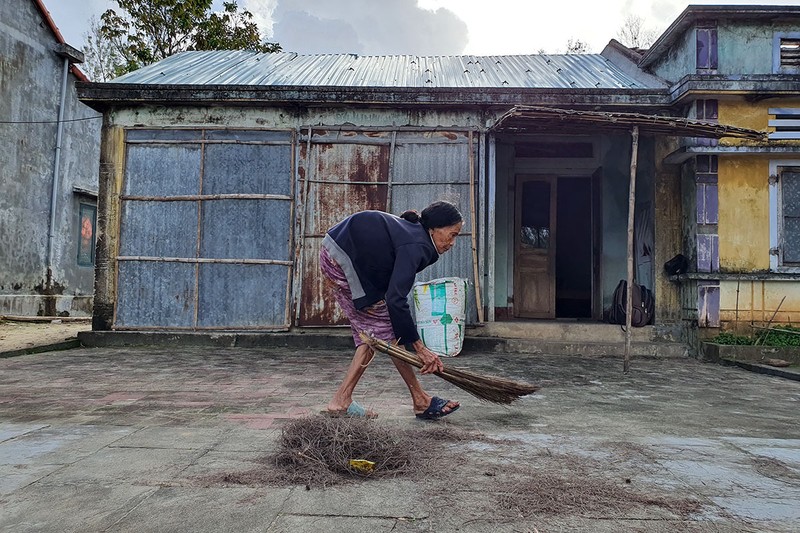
<point x="155" y="294"/>
<point x="422" y="163"/>
<point x="247" y="169"/>
<point x="317" y="303"/>
<point x="242" y="295"/>
<point x="327" y="204"/>
<point x="158" y="229"/>
<point x="569" y="71"/>
<point x="245" y="229"/>
<point x="162" y="170"/>
<point x="271" y="136"/>
<point x="163" y="135"/>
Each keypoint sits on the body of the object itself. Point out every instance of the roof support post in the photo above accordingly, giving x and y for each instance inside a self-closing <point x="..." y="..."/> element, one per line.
<point x="631" y="208"/>
<point x="491" y="230"/>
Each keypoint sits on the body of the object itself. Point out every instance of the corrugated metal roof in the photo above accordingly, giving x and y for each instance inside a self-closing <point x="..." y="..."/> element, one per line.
<point x="574" y="71"/>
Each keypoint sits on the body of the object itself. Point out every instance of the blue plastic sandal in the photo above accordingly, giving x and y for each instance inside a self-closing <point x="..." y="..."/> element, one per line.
<point x="436" y="409"/>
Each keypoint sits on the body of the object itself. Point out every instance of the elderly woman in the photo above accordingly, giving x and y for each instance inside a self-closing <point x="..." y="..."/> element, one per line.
<point x="372" y="259"/>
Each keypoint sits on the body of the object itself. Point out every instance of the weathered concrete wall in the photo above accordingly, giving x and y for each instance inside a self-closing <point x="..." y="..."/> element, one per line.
<point x="668" y="230"/>
<point x="30" y="83"/>
<point x="743" y="48"/>
<point x="747" y="48"/>
<point x="679" y="60"/>
<point x="743" y="214"/>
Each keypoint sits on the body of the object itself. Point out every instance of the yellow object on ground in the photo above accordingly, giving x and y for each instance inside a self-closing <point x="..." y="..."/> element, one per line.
<point x="362" y="465"/>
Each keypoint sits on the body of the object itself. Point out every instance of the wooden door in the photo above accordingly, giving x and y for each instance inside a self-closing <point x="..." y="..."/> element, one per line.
<point x="535" y="247"/>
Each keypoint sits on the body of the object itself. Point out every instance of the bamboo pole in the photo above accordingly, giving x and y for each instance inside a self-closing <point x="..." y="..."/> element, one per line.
<point x="631" y="208"/>
<point x="763" y="339"/>
<point x="474" y="229"/>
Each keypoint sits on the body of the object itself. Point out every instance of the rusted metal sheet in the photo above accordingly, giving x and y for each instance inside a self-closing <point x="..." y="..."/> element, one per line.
<point x="206" y="240"/>
<point x="434" y="166"/>
<point x="353" y="171"/>
<point x="340" y="179"/>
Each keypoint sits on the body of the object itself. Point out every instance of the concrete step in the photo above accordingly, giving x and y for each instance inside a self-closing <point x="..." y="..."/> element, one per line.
<point x="562" y="331"/>
<point x="654" y="349"/>
<point x="340" y="339"/>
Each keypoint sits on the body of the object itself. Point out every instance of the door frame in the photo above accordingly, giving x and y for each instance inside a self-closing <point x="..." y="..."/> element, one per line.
<point x="595" y="178"/>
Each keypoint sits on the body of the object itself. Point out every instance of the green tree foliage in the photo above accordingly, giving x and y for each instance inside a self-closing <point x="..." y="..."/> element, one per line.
<point x="146" y="31"/>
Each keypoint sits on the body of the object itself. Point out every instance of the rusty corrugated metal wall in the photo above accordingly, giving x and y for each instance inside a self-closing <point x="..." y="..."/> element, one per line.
<point x="205" y="230"/>
<point x="342" y="171"/>
<point x="209" y="218"/>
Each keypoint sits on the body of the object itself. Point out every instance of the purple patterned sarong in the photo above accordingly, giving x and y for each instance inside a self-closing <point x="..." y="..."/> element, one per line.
<point x="373" y="319"/>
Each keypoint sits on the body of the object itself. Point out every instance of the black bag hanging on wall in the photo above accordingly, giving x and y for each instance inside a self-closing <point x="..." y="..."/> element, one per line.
<point x="677" y="265"/>
<point x="642" y="303"/>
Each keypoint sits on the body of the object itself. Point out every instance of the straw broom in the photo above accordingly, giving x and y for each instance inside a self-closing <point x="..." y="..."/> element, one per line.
<point x="489" y="388"/>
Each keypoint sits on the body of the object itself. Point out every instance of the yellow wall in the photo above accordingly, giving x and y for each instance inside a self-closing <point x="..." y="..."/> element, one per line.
<point x="743" y="213"/>
<point x="752" y="115"/>
<point x="746" y="302"/>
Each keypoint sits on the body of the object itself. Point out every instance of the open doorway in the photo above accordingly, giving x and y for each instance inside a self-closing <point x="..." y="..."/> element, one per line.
<point x="573" y="268"/>
<point x="555" y="251"/>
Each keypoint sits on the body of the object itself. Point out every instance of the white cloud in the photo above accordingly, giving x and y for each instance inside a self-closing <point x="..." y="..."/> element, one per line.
<point x="426" y="27"/>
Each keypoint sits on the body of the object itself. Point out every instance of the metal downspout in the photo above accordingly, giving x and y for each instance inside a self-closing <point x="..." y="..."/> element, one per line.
<point x="56" y="176"/>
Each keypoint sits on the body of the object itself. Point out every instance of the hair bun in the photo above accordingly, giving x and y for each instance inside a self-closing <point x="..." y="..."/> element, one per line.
<point x="411" y="216"/>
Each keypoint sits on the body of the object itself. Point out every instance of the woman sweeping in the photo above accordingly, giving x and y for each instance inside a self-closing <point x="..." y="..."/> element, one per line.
<point x="372" y="259"/>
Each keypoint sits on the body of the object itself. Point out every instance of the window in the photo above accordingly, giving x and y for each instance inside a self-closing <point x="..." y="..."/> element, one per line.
<point x="87" y="217"/>
<point x="786" y="53"/>
<point x="707" y="110"/>
<point x="786" y="123"/>
<point x="785" y="215"/>
<point x="706" y="34"/>
<point x="706" y="174"/>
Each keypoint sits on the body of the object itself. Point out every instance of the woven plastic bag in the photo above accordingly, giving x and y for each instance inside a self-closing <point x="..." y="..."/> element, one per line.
<point x="440" y="308"/>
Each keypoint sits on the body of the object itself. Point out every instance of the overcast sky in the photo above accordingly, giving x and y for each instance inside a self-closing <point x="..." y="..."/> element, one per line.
<point x="426" y="27"/>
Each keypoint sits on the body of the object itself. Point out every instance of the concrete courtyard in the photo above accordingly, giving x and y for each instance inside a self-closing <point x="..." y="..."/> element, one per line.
<point x="117" y="439"/>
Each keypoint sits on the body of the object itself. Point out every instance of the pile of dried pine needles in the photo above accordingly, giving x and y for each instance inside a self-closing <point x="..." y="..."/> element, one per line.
<point x="320" y="451"/>
<point x="489" y="388"/>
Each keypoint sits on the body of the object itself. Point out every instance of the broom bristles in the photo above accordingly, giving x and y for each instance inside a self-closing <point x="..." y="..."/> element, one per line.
<point x="488" y="388"/>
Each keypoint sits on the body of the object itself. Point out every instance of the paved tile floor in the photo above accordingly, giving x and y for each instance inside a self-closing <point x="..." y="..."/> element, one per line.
<point x="113" y="439"/>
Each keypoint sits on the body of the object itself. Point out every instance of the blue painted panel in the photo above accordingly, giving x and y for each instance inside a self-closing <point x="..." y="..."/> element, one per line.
<point x="247" y="169"/>
<point x="246" y="229"/>
<point x="159" y="229"/>
<point x="708" y="304"/>
<point x="162" y="170"/>
<point x="242" y="295"/>
<point x="155" y="294"/>
<point x="707" y="253"/>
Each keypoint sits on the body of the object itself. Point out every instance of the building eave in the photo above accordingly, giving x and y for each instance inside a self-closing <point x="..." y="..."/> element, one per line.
<point x="101" y="96"/>
<point x="687" y="152"/>
<point x="754" y="86"/>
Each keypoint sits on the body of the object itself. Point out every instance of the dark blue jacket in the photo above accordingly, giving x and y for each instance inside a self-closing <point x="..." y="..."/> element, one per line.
<point x="381" y="255"/>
